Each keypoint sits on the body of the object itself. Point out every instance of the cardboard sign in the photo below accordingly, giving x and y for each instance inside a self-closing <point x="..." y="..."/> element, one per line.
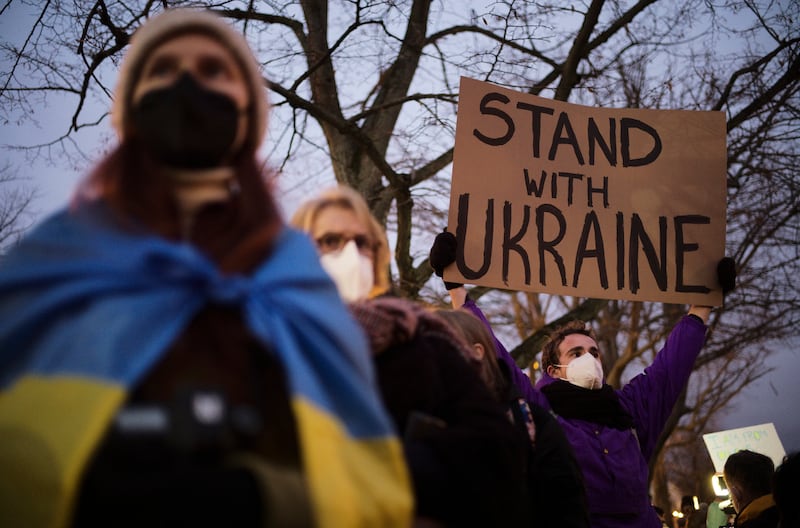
<point x="759" y="438"/>
<point x="590" y="202"/>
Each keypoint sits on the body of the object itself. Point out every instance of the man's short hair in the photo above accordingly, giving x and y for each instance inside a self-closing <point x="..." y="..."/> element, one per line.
<point x="751" y="471"/>
<point x="550" y="348"/>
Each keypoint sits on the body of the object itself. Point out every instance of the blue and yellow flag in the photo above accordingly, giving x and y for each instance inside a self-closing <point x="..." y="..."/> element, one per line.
<point x="86" y="309"/>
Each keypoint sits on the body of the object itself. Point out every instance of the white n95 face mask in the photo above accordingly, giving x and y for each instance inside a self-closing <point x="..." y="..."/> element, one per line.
<point x="351" y="271"/>
<point x="585" y="371"/>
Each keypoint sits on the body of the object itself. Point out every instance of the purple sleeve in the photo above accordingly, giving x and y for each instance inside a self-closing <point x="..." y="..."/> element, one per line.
<point x="518" y="377"/>
<point x="650" y="396"/>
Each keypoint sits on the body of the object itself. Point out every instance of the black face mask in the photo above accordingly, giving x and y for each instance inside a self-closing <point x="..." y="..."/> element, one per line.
<point x="185" y="125"/>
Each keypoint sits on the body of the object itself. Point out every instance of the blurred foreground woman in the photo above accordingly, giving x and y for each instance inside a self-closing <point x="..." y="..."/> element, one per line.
<point x="170" y="353"/>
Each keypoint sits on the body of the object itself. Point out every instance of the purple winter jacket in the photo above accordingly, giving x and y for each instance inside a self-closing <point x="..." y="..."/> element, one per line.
<point x="614" y="462"/>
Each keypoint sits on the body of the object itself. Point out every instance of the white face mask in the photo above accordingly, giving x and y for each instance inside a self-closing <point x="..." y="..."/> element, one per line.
<point x="351" y="271"/>
<point x="585" y="371"/>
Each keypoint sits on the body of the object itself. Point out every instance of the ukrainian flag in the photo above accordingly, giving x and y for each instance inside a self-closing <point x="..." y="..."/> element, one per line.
<point x="86" y="309"/>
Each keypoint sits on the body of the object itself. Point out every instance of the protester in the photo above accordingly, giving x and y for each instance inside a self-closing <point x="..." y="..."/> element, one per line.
<point x="716" y="517"/>
<point x="748" y="477"/>
<point x="478" y="341"/>
<point x="463" y="454"/>
<point x="555" y="485"/>
<point x="786" y="490"/>
<point x="613" y="433"/>
<point x="170" y="353"/>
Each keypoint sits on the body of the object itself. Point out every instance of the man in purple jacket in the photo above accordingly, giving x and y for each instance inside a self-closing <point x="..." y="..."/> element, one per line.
<point x="612" y="432"/>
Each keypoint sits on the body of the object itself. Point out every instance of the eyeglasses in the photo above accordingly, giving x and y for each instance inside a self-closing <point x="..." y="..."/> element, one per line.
<point x="330" y="242"/>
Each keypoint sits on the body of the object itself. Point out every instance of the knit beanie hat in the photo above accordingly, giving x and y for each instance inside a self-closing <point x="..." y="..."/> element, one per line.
<point x="169" y="24"/>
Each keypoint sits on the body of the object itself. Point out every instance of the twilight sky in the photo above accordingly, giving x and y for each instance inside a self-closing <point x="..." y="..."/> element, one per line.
<point x="771" y="399"/>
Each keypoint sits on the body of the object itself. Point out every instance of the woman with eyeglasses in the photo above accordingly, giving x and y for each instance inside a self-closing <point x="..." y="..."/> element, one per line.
<point x="352" y="245"/>
<point x="463" y="454"/>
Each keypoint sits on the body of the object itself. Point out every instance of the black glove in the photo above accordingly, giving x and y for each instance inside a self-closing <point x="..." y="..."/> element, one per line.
<point x="726" y="274"/>
<point x="443" y="253"/>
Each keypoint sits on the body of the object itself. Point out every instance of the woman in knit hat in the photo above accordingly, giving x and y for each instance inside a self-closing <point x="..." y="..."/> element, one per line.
<point x="170" y="352"/>
<point x="190" y="110"/>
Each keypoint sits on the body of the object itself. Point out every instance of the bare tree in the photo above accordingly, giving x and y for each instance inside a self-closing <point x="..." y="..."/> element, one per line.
<point x="16" y="215"/>
<point x="365" y="93"/>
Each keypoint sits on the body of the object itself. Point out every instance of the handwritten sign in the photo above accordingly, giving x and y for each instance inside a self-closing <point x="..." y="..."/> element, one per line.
<point x="591" y="202"/>
<point x="759" y="438"/>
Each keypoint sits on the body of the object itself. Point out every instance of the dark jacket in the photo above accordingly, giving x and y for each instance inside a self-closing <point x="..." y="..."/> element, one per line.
<point x="760" y="513"/>
<point x="465" y="457"/>
<point x="555" y="491"/>
<point x="158" y="478"/>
